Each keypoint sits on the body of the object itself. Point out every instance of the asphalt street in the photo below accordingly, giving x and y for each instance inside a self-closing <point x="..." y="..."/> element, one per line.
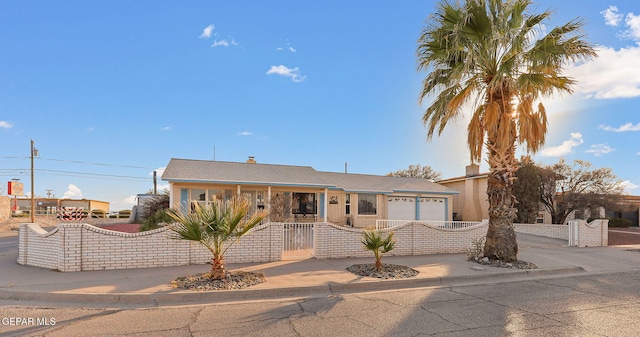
<point x="586" y="305"/>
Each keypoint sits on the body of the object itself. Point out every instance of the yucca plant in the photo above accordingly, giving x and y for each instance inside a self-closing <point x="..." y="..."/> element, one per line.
<point x="217" y="226"/>
<point x="374" y="241"/>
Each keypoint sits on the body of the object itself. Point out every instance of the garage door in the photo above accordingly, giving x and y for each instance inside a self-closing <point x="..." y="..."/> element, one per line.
<point x="401" y="208"/>
<point x="433" y="209"/>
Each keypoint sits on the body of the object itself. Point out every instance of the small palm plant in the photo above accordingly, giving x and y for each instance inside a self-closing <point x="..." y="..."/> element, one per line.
<point x="373" y="241"/>
<point x="217" y="226"/>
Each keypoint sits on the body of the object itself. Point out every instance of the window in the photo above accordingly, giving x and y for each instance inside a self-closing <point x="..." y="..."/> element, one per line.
<point x="303" y="203"/>
<point x="199" y="196"/>
<point x="367" y="204"/>
<point x="347" y="207"/>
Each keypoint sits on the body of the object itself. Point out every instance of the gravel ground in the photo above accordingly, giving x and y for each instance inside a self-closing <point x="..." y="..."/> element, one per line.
<point x="234" y="280"/>
<point x="388" y="271"/>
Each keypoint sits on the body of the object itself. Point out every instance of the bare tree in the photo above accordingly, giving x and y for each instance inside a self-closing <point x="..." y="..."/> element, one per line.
<point x="417" y="171"/>
<point x="279" y="208"/>
<point x="579" y="187"/>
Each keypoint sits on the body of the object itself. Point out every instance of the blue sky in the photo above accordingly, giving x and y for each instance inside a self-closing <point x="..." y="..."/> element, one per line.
<point x="111" y="90"/>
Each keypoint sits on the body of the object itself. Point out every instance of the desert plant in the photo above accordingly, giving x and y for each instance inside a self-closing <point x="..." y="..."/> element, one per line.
<point x="217" y="226"/>
<point x="155" y="221"/>
<point x="476" y="251"/>
<point x="154" y="204"/>
<point x="619" y="222"/>
<point x="374" y="241"/>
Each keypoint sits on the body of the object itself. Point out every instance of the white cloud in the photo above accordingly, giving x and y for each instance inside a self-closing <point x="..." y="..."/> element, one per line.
<point x="73" y="192"/>
<point x="632" y="21"/>
<point x="91" y="129"/>
<point x="5" y="125"/>
<point x="224" y="43"/>
<point x="126" y="203"/>
<point x="207" y="31"/>
<point x="288" y="47"/>
<point x="220" y="43"/>
<point x="159" y="171"/>
<point x="565" y="148"/>
<point x="622" y="128"/>
<point x="245" y="133"/>
<point x="600" y="149"/>
<point x="629" y="187"/>
<point x="611" y="16"/>
<point x="622" y="69"/>
<point x="293" y="73"/>
<point x="166" y="128"/>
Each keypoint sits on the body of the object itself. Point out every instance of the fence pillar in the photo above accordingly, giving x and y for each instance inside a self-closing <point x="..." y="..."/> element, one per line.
<point x="23" y="244"/>
<point x="71" y="245"/>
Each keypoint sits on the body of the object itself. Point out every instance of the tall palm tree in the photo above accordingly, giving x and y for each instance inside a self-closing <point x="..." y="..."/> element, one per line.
<point x="494" y="56"/>
<point x="216" y="226"/>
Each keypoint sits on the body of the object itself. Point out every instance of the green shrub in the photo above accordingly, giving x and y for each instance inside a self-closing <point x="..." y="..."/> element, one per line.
<point x="619" y="222"/>
<point x="155" y="221"/>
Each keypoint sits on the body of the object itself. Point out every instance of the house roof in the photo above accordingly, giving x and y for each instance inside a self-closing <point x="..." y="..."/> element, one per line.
<point x="461" y="178"/>
<point x="384" y="184"/>
<point x="187" y="170"/>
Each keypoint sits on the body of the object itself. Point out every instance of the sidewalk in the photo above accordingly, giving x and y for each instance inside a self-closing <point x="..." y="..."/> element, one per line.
<point x="312" y="277"/>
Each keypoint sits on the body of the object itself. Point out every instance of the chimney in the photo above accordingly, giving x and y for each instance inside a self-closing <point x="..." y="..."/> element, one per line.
<point x="472" y="170"/>
<point x="251" y="160"/>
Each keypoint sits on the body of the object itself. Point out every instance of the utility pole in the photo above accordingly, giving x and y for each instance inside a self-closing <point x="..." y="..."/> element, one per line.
<point x="155" y="183"/>
<point x="34" y="152"/>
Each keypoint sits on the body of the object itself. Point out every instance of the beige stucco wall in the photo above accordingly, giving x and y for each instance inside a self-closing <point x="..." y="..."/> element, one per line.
<point x="336" y="213"/>
<point x="471" y="204"/>
<point x="5" y="208"/>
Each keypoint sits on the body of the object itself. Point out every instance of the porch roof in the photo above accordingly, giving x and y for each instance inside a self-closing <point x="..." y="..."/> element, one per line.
<point x="188" y="170"/>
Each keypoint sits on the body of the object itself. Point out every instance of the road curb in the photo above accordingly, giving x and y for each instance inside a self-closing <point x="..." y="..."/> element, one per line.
<point x="185" y="297"/>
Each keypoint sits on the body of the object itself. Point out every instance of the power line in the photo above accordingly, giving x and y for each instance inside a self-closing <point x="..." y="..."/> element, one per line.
<point x="95" y="175"/>
<point x="84" y="162"/>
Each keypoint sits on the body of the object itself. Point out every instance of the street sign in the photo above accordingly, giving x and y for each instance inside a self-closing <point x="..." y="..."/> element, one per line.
<point x="16" y="188"/>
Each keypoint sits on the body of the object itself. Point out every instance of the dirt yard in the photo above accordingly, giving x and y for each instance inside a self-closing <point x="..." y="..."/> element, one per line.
<point x="624" y="236"/>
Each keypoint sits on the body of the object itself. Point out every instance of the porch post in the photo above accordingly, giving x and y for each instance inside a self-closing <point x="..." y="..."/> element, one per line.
<point x="326" y="205"/>
<point x="238" y="191"/>
<point x="268" y="198"/>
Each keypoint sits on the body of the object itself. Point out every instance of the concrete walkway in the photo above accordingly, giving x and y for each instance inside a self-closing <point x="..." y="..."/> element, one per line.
<point x="311" y="277"/>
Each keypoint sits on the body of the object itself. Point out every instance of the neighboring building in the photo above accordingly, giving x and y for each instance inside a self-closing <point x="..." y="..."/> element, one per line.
<point x="632" y="213"/>
<point x="629" y="210"/>
<point x="472" y="204"/>
<point x="342" y="198"/>
<point x="51" y="205"/>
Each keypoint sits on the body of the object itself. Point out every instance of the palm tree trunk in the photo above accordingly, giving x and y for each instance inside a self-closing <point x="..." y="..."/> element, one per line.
<point x="501" y="243"/>
<point x="218" y="271"/>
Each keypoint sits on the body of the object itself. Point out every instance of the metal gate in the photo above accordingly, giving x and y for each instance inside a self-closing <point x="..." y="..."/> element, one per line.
<point x="297" y="241"/>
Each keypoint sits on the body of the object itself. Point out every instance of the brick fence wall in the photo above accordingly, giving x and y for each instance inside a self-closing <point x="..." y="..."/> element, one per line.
<point x="593" y="234"/>
<point x="413" y="238"/>
<point x="77" y="247"/>
<point x="550" y="231"/>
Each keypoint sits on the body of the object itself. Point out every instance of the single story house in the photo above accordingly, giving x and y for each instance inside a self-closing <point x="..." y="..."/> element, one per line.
<point x="347" y="199"/>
